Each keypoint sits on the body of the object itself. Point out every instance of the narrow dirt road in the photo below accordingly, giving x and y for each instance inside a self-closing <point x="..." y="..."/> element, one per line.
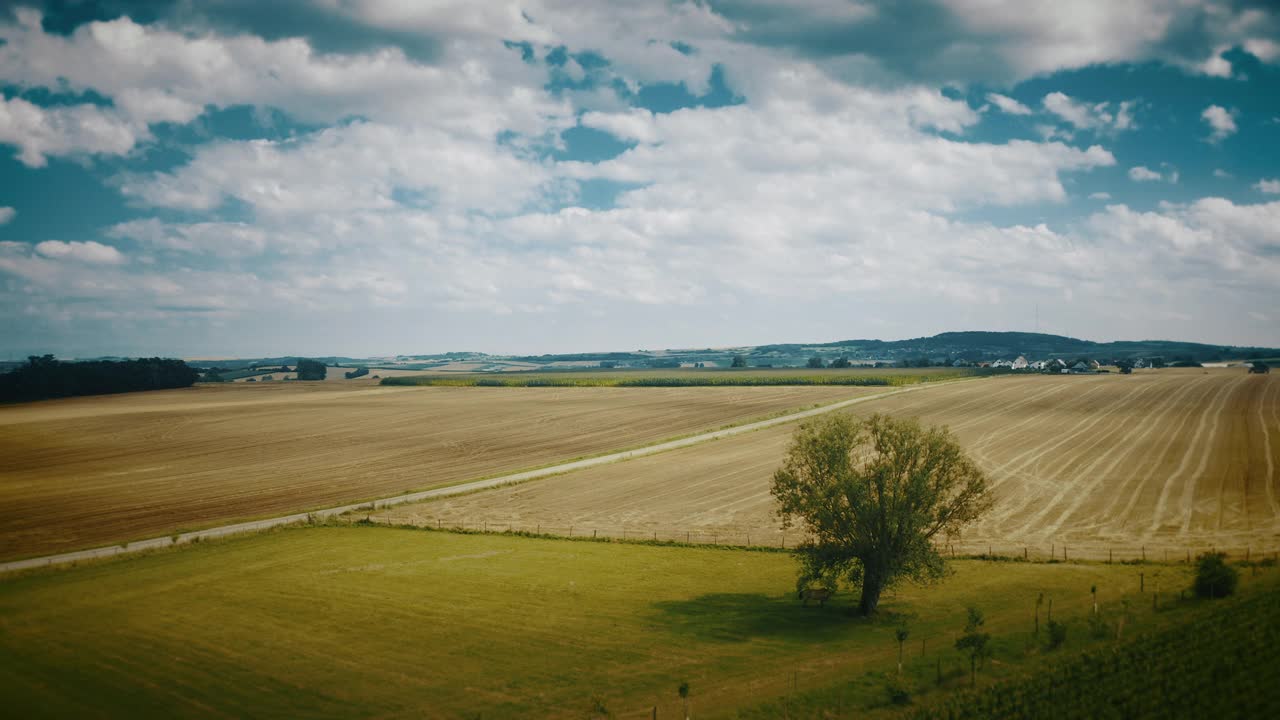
<point x="257" y="525"/>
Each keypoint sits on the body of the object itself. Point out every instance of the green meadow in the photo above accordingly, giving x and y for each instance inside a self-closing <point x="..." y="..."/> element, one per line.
<point x="334" y="621"/>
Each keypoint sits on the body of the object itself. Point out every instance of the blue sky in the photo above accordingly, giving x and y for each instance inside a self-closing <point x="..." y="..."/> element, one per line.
<point x="379" y="177"/>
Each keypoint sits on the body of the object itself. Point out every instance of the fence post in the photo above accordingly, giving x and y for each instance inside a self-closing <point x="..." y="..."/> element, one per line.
<point x="593" y="533"/>
<point x="1111" y="555"/>
<point x="686" y="537"/>
<point x="1024" y="552"/>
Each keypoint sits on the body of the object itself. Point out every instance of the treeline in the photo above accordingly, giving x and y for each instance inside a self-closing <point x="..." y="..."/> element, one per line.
<point x="698" y="380"/>
<point x="44" y="377"/>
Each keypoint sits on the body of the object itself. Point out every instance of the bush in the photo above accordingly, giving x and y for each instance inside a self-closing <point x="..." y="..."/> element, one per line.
<point x="1214" y="577"/>
<point x="1057" y="634"/>
<point x="898" y="690"/>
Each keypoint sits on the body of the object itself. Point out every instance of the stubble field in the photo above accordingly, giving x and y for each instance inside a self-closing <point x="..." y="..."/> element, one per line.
<point x="84" y="472"/>
<point x="1170" y="460"/>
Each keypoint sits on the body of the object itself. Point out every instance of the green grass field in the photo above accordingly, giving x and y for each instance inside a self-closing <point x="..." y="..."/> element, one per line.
<point x="336" y="621"/>
<point x="689" y="377"/>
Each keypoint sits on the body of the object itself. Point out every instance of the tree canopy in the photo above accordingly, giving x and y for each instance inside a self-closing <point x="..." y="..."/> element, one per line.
<point x="873" y="496"/>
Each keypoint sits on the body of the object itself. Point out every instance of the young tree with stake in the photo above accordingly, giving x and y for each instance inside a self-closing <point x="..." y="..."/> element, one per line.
<point x="974" y="642"/>
<point x="873" y="495"/>
<point x="901" y="634"/>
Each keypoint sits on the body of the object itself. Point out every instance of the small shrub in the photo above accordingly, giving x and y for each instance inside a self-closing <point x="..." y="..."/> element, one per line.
<point x="1214" y="577"/>
<point x="898" y="690"/>
<point x="1057" y="634"/>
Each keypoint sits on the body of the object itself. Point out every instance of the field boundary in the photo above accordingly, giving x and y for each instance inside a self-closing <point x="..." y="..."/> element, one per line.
<point x="458" y="489"/>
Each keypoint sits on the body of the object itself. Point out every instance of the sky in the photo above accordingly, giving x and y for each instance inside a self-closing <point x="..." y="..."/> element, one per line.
<point x="222" y="178"/>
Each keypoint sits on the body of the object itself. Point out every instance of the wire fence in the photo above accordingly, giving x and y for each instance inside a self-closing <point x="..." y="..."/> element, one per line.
<point x="764" y="539"/>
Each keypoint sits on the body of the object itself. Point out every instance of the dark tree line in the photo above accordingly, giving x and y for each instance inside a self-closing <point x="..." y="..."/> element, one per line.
<point x="46" y="377"/>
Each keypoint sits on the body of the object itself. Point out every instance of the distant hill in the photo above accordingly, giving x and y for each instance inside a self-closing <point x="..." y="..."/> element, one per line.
<point x="948" y="347"/>
<point x="980" y="345"/>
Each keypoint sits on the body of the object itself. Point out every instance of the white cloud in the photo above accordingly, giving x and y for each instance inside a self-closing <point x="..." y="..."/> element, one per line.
<point x="1265" y="49"/>
<point x="40" y="133"/>
<point x="1216" y="65"/>
<point x="636" y="124"/>
<point x="7" y="214"/>
<point x="1141" y="173"/>
<point x="86" y="252"/>
<point x="1008" y="104"/>
<point x="1221" y="121"/>
<point x="1221" y="174"/>
<point x="1270" y="187"/>
<point x="1037" y="37"/>
<point x="1100" y="196"/>
<point x="1086" y="116"/>
<point x="361" y="166"/>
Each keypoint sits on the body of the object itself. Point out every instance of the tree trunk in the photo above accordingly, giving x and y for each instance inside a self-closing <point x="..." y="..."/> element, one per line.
<point x="871" y="587"/>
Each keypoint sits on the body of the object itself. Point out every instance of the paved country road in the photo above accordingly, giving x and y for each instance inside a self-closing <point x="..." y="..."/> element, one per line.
<point x="257" y="525"/>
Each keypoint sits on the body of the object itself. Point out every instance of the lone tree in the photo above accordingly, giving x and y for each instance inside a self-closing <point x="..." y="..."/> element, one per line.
<point x="739" y="361"/>
<point x="816" y="362"/>
<point x="873" y="495"/>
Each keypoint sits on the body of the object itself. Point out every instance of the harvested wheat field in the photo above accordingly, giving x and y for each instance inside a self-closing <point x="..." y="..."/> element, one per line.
<point x="85" y="472"/>
<point x="1169" y="460"/>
